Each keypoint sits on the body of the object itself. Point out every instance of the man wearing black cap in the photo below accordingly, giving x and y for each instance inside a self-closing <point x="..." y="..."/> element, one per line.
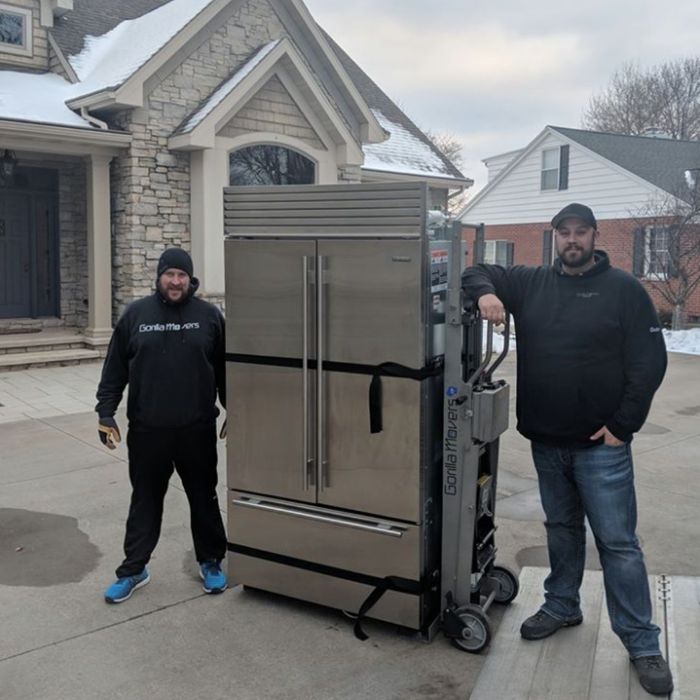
<point x="590" y="357"/>
<point x="169" y="348"/>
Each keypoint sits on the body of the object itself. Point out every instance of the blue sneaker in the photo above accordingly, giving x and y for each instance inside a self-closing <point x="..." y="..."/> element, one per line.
<point x="214" y="578"/>
<point x="122" y="588"/>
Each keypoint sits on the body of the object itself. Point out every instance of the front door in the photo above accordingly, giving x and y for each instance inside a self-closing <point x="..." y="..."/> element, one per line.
<point x="29" y="246"/>
<point x="15" y="255"/>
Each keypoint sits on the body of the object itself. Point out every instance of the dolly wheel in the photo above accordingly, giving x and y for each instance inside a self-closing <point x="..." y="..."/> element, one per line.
<point x="505" y="582"/>
<point x="476" y="629"/>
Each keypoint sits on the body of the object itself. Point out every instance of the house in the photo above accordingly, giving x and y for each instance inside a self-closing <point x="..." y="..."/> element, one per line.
<point x="631" y="182"/>
<point x="121" y="122"/>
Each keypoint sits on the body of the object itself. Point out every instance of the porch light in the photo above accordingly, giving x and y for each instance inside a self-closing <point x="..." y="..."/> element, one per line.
<point x="8" y="163"/>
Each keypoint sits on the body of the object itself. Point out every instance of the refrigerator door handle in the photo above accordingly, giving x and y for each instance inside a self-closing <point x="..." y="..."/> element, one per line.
<point x="378" y="528"/>
<point x="307" y="466"/>
<point x="321" y="463"/>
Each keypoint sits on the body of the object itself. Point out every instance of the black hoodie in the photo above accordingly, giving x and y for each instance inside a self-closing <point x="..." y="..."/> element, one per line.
<point x="590" y="350"/>
<point x="172" y="356"/>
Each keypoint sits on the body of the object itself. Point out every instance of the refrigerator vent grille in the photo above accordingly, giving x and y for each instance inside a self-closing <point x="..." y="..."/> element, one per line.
<point x="372" y="210"/>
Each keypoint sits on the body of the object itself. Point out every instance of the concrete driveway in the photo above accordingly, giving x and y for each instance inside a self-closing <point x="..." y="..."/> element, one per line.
<point x="63" y="503"/>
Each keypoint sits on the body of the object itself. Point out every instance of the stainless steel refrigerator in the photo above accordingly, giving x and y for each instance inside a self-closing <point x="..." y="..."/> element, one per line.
<point x="334" y="312"/>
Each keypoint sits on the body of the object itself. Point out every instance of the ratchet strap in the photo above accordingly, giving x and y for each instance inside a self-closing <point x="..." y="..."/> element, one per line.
<point x="381" y="585"/>
<point x="385" y="369"/>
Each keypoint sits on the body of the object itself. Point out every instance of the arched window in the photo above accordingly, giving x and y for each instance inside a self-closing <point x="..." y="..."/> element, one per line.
<point x="268" y="164"/>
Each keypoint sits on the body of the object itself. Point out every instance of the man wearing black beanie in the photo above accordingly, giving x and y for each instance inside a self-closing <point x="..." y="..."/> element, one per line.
<point x="169" y="348"/>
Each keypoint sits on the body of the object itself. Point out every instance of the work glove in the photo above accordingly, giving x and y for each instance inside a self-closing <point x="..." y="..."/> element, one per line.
<point x="222" y="432"/>
<point x="108" y="430"/>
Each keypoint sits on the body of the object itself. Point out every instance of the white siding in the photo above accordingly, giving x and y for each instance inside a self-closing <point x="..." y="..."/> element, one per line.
<point x="495" y="164"/>
<point x="517" y="199"/>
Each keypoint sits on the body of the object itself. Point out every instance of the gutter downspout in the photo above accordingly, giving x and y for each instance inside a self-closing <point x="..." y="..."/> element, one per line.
<point x="93" y="120"/>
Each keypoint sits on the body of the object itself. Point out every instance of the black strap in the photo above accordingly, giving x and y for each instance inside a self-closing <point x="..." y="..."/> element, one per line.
<point x="385" y="369"/>
<point x="390" y="583"/>
<point x="381" y="585"/>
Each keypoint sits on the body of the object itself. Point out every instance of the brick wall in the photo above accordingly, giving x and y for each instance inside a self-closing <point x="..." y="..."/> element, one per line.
<point x="616" y="239"/>
<point x="39" y="60"/>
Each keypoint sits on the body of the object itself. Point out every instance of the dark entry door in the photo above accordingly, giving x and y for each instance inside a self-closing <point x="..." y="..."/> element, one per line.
<point x="15" y="255"/>
<point x="29" y="268"/>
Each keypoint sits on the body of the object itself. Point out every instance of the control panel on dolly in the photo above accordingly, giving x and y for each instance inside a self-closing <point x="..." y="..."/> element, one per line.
<point x="475" y="416"/>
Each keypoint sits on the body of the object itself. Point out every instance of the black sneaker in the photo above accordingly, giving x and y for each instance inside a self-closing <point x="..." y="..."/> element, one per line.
<point x="542" y="625"/>
<point x="654" y="674"/>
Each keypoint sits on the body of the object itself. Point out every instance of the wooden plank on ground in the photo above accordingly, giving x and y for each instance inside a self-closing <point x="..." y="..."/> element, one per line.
<point x="684" y="636"/>
<point x="507" y="673"/>
<point x="563" y="670"/>
<point x="610" y="676"/>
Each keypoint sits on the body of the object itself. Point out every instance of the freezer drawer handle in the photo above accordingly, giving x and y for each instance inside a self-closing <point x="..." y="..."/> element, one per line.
<point x="377" y="529"/>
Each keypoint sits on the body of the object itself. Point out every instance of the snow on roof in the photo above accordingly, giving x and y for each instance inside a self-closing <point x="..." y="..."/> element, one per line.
<point x="222" y="92"/>
<point x="107" y="61"/>
<point x="402" y="152"/>
<point x="39" y="98"/>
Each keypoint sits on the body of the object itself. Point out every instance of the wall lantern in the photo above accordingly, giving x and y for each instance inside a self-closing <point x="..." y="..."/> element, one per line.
<point x="8" y="164"/>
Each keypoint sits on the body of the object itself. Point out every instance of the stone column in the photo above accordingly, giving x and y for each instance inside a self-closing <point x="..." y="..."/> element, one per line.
<point x="209" y="176"/>
<point x="99" y="328"/>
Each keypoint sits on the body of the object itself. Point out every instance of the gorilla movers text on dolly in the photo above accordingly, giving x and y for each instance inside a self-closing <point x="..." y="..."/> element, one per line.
<point x="350" y="367"/>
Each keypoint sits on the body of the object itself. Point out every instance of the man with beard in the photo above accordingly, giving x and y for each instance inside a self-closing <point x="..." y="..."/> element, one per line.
<point x="169" y="348"/>
<point x="590" y="355"/>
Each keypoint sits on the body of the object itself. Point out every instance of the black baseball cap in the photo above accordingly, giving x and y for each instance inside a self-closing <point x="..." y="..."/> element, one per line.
<point x="575" y="211"/>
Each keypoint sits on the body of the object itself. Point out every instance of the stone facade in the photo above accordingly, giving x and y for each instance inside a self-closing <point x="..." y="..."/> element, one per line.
<point x="72" y="236"/>
<point x="151" y="205"/>
<point x="273" y="110"/>
<point x="39" y="60"/>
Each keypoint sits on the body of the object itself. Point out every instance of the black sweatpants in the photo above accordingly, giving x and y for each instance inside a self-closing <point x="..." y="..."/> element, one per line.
<point x="153" y="455"/>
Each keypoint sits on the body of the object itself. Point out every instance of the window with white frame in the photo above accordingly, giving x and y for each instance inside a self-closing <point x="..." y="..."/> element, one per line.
<point x="657" y="251"/>
<point x="550" y="169"/>
<point x="498" y="253"/>
<point x="15" y="30"/>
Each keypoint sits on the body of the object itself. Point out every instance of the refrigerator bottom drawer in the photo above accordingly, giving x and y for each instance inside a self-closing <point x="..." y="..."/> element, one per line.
<point x="398" y="608"/>
<point x="371" y="546"/>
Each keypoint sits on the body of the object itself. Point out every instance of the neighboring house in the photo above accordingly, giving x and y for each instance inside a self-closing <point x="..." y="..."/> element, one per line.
<point x="121" y="122"/>
<point x="619" y="177"/>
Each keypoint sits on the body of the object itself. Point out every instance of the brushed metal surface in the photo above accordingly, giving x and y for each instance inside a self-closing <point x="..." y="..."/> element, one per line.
<point x="398" y="608"/>
<point x="265" y="297"/>
<point x="373" y="302"/>
<point x="373" y="473"/>
<point x="339" y="540"/>
<point x="265" y="444"/>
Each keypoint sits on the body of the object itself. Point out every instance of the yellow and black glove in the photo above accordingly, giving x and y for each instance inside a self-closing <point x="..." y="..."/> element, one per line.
<point x="108" y="430"/>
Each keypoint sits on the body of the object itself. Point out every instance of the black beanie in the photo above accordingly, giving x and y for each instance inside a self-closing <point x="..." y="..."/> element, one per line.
<point x="175" y="258"/>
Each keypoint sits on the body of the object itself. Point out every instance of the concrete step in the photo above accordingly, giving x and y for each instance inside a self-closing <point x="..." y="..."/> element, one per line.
<point x="42" y="358"/>
<point x="38" y="342"/>
<point x="588" y="662"/>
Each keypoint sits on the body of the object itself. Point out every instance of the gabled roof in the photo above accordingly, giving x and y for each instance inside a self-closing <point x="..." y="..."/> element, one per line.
<point x="660" y="161"/>
<point x="408" y="148"/>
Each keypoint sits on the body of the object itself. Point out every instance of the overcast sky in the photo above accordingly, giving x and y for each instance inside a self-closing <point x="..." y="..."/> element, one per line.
<point x="494" y="73"/>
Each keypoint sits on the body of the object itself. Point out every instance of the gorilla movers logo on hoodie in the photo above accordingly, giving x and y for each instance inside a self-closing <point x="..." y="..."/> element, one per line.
<point x="167" y="327"/>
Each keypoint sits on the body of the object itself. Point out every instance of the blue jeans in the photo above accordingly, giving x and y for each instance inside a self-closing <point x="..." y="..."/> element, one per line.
<point x="597" y="482"/>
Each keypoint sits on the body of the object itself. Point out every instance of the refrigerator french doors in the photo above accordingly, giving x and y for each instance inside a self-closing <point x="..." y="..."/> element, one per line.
<point x="307" y="320"/>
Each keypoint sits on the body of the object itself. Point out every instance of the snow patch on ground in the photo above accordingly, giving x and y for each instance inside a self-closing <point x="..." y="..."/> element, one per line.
<point x="683" y="341"/>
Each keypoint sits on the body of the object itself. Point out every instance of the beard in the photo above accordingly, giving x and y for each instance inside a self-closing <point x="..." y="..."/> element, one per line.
<point x="166" y="291"/>
<point x="575" y="257"/>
